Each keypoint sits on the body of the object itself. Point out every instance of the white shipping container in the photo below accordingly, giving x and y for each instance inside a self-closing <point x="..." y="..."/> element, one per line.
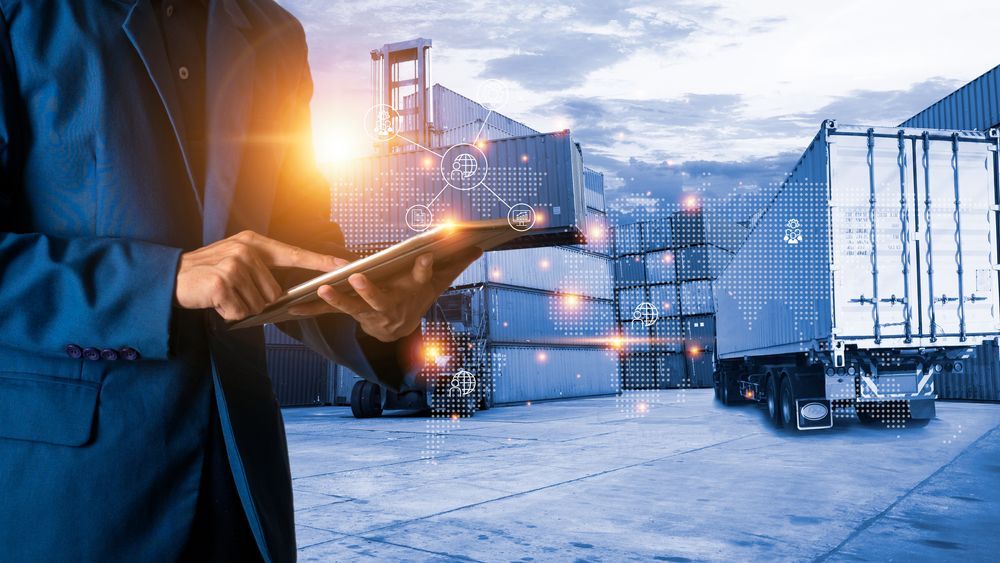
<point x="557" y="269"/>
<point x="881" y="237"/>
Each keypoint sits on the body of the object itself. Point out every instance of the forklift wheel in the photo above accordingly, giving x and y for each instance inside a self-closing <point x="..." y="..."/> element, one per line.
<point x="366" y="400"/>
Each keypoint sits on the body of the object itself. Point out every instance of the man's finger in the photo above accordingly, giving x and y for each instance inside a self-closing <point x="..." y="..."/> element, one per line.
<point x="276" y="254"/>
<point x="264" y="280"/>
<point x="423" y="269"/>
<point x="349" y="304"/>
<point x="249" y="293"/>
<point x="375" y="297"/>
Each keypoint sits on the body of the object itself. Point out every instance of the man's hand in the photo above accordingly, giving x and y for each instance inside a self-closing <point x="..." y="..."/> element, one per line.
<point x="391" y="310"/>
<point x="233" y="276"/>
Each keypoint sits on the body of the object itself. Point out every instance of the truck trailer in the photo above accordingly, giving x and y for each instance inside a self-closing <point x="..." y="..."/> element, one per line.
<point x="871" y="273"/>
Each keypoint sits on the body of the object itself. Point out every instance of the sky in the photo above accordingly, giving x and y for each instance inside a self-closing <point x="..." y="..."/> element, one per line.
<point x="664" y="96"/>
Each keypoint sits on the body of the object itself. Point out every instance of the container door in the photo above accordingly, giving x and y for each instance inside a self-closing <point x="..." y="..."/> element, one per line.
<point x="956" y="193"/>
<point x="872" y="206"/>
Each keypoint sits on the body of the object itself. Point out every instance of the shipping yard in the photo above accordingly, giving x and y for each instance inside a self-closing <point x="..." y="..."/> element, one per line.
<point x="691" y="480"/>
<point x="565" y="410"/>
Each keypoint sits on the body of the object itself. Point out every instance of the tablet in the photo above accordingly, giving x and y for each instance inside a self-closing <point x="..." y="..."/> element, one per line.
<point x="444" y="242"/>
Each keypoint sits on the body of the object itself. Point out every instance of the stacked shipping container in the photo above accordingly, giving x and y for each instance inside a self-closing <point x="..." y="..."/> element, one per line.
<point x="669" y="264"/>
<point x="540" y="318"/>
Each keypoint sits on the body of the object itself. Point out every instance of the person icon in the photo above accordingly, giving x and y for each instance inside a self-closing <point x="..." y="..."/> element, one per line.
<point x="463" y="167"/>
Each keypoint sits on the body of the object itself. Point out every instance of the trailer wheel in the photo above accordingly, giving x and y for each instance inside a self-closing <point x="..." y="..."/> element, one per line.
<point x="774" y="402"/>
<point x="788" y="414"/>
<point x="729" y="395"/>
<point x="366" y="400"/>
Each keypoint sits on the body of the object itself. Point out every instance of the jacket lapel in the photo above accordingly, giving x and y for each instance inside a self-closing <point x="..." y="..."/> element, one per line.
<point x="230" y="65"/>
<point x="143" y="32"/>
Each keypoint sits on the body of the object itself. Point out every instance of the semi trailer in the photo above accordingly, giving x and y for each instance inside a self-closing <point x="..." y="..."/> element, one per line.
<point x="870" y="275"/>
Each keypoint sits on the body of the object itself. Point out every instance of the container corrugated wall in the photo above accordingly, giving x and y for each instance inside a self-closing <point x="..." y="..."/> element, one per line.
<point x="661" y="266"/>
<point x="654" y="370"/>
<point x="299" y="375"/>
<point x="629" y="299"/>
<point x="370" y="196"/>
<point x="538" y="373"/>
<point x="593" y="195"/>
<point x="523" y="316"/>
<point x="551" y="269"/>
<point x="598" y="233"/>
<point x="630" y="270"/>
<point x="453" y="110"/>
<point x="666" y="299"/>
<point x="973" y="106"/>
<point x="628" y="239"/>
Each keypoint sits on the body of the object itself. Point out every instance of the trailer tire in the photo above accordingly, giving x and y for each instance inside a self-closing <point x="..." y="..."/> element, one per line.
<point x="366" y="400"/>
<point x="729" y="397"/>
<point x="789" y="416"/>
<point x="774" y="401"/>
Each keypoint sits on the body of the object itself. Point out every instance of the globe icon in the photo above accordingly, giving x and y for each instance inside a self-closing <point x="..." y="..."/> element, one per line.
<point x="464" y="382"/>
<point x="465" y="164"/>
<point x="645" y="313"/>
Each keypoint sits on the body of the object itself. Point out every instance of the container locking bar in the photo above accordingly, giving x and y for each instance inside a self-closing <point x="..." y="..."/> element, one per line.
<point x="873" y="255"/>
<point x="958" y="241"/>
<point x="904" y="238"/>
<point x="927" y="234"/>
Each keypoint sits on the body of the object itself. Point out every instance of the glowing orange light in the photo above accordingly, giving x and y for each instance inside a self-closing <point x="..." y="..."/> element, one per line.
<point x="694" y="351"/>
<point x="428" y="162"/>
<point x="641" y="407"/>
<point x="690" y="202"/>
<point x="495" y="274"/>
<point x="524" y="158"/>
<point x="617" y="342"/>
<point x="529" y="403"/>
<point x="571" y="300"/>
<point x="668" y="258"/>
<point x="542" y="357"/>
<point x="454" y="417"/>
<point x="596" y="233"/>
<point x="544" y="264"/>
<point x="481" y="145"/>
<point x="432" y="352"/>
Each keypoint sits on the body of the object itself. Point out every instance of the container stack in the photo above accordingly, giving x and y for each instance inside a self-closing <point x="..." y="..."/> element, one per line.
<point x="540" y="320"/>
<point x="544" y="317"/>
<point x="664" y="270"/>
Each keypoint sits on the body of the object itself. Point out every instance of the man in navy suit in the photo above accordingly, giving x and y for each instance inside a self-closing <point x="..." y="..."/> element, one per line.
<point x="158" y="180"/>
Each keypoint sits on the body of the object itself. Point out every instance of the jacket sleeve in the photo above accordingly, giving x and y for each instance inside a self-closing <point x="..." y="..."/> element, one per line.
<point x="89" y="292"/>
<point x="301" y="216"/>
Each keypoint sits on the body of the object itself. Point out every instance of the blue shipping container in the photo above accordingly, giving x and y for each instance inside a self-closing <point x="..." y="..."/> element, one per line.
<point x="661" y="266"/>
<point x="973" y="106"/>
<point x="593" y="183"/>
<point x="555" y="269"/>
<point x="630" y="270"/>
<point x="523" y="374"/>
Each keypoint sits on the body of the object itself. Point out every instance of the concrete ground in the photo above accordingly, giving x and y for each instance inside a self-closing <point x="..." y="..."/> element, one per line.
<point x="666" y="475"/>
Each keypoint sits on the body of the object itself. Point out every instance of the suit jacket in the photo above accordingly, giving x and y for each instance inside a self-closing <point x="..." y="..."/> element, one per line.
<point x="104" y="385"/>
